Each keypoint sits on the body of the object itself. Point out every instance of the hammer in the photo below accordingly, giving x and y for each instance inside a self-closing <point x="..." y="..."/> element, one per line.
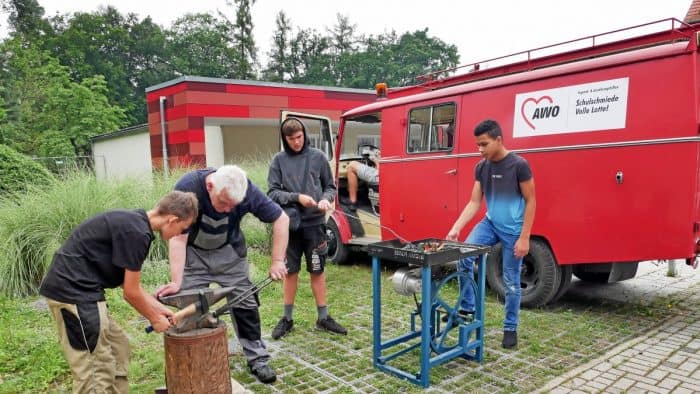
<point x="193" y="304"/>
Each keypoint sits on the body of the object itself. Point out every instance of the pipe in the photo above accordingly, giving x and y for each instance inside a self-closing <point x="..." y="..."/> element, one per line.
<point x="164" y="140"/>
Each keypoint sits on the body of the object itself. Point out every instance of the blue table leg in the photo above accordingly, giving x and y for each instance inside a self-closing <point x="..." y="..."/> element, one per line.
<point x="481" y="296"/>
<point x="426" y="303"/>
<point x="376" y="310"/>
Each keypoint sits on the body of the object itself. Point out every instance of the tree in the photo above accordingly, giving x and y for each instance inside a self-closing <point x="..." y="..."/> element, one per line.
<point x="50" y="114"/>
<point x="243" y="39"/>
<point x="199" y="44"/>
<point x="109" y="44"/>
<point x="75" y="112"/>
<point x="26" y="18"/>
<point x="279" y="65"/>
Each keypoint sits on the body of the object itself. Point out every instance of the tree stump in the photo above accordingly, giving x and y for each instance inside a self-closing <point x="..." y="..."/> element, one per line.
<point x="197" y="361"/>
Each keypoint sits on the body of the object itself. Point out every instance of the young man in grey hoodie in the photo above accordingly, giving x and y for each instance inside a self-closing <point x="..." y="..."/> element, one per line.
<point x="300" y="175"/>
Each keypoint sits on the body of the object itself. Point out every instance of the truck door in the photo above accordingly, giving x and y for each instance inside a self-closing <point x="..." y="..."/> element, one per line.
<point x="427" y="179"/>
<point x="319" y="132"/>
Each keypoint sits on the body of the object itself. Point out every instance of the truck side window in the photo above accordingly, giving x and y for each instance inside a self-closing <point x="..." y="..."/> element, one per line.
<point x="431" y="129"/>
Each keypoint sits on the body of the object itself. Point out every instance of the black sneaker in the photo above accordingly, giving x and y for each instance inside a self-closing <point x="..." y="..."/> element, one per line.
<point x="465" y="315"/>
<point x="328" y="324"/>
<point x="510" y="339"/>
<point x="352" y="207"/>
<point x="264" y="373"/>
<point x="282" y="328"/>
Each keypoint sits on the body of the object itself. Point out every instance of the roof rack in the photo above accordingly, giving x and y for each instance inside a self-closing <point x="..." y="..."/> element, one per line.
<point x="648" y="34"/>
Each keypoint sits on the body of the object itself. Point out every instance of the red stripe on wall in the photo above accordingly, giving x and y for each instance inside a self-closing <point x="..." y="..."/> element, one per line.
<point x="273" y="91"/>
<point x="233" y="99"/>
<point x="179" y="137"/>
<point x="206" y="86"/>
<point x="347" y="96"/>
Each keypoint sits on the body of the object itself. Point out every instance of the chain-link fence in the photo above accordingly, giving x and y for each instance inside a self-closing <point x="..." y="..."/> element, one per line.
<point x="61" y="165"/>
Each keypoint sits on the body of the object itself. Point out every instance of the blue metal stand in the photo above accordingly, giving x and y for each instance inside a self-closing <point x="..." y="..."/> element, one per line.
<point x="429" y="328"/>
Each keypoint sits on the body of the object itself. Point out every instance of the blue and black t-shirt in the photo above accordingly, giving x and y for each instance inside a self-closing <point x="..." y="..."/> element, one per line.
<point x="213" y="229"/>
<point x="500" y="183"/>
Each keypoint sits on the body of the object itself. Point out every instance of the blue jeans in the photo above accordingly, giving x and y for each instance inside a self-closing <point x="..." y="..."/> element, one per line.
<point x="484" y="233"/>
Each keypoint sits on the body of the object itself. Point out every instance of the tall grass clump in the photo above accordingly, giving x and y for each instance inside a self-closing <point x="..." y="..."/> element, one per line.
<point x="33" y="227"/>
<point x="19" y="172"/>
<point x="258" y="235"/>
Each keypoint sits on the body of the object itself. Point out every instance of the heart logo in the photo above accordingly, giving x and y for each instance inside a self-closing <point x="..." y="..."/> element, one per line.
<point x="536" y="101"/>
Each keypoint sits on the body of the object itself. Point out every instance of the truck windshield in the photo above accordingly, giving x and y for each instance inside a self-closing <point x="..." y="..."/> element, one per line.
<point x="361" y="136"/>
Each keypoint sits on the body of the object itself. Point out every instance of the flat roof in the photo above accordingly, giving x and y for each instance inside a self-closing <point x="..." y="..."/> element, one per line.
<point x="254" y="83"/>
<point x="121" y="132"/>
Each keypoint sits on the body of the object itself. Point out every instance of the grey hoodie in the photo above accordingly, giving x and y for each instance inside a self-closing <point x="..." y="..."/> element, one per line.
<point x="287" y="173"/>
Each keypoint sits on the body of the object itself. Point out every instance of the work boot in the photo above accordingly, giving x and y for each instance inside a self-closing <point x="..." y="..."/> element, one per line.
<point x="264" y="373"/>
<point x="328" y="324"/>
<point x="282" y="328"/>
<point x="510" y="339"/>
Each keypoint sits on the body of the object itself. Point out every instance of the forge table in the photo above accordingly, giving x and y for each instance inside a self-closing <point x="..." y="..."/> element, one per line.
<point x="430" y="335"/>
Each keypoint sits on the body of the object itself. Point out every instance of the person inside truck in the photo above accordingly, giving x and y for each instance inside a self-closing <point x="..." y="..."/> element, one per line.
<point x="506" y="180"/>
<point x="359" y="171"/>
<point x="300" y="175"/>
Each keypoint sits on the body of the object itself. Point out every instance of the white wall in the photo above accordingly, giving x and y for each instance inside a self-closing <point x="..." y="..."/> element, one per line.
<point x="123" y="156"/>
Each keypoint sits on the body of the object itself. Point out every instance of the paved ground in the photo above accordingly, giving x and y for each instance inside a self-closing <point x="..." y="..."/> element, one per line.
<point x="664" y="360"/>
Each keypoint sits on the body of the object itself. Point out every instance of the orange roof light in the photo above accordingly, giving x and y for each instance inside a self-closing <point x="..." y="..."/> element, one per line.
<point x="381" y="90"/>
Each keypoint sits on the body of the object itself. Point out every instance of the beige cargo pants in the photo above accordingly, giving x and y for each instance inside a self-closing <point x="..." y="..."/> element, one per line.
<point x="96" y="348"/>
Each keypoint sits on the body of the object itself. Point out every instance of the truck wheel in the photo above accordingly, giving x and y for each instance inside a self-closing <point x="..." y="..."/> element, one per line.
<point x="337" y="251"/>
<point x="540" y="276"/>
<point x="565" y="282"/>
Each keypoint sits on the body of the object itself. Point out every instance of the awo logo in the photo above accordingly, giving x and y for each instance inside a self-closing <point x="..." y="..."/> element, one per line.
<point x="599" y="105"/>
<point x="533" y="109"/>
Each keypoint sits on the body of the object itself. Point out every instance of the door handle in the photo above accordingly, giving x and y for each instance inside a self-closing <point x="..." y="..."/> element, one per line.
<point x="451" y="172"/>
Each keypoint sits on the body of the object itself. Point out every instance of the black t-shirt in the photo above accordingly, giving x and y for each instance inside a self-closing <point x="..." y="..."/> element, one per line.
<point x="95" y="256"/>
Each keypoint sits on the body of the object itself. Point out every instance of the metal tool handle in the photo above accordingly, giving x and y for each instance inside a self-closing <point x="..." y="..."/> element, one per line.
<point x="249" y="292"/>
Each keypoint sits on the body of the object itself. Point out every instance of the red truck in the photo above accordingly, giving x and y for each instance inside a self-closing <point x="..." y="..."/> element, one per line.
<point x="611" y="131"/>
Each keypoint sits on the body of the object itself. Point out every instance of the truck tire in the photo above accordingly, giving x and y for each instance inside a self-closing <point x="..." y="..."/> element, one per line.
<point x="540" y="276"/>
<point x="564" y="283"/>
<point x="337" y="251"/>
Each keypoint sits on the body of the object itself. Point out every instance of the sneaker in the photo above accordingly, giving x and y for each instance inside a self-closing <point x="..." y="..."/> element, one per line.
<point x="352" y="207"/>
<point x="264" y="373"/>
<point x="328" y="324"/>
<point x="283" y="327"/>
<point x="510" y="339"/>
<point x="465" y="315"/>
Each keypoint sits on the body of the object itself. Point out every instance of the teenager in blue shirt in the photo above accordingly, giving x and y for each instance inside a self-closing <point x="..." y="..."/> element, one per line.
<point x="505" y="180"/>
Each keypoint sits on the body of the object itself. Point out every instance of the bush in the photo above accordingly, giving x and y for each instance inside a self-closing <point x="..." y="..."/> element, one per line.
<point x="32" y="229"/>
<point x="18" y="173"/>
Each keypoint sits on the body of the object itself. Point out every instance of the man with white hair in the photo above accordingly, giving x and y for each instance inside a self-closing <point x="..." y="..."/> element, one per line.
<point x="214" y="250"/>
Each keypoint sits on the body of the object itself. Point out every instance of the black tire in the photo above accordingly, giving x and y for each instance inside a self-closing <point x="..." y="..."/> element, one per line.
<point x="586" y="274"/>
<point x="564" y="283"/>
<point x="337" y="251"/>
<point x="539" y="277"/>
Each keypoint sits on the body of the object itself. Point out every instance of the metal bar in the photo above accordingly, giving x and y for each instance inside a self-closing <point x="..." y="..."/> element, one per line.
<point x="426" y="304"/>
<point x="376" y="310"/>
<point x="400" y="339"/>
<point x="481" y="289"/>
<point x="389" y="357"/>
<point x="226" y="308"/>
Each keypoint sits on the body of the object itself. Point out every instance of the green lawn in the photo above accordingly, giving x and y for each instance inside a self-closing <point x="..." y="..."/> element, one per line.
<point x="552" y="340"/>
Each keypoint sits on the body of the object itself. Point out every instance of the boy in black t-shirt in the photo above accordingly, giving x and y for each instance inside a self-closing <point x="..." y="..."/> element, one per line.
<point x="104" y="252"/>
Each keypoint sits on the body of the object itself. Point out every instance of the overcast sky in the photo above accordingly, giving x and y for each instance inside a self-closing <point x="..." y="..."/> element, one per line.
<point x="481" y="30"/>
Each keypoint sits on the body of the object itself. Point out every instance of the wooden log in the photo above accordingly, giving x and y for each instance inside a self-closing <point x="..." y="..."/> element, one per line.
<point x="197" y="361"/>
